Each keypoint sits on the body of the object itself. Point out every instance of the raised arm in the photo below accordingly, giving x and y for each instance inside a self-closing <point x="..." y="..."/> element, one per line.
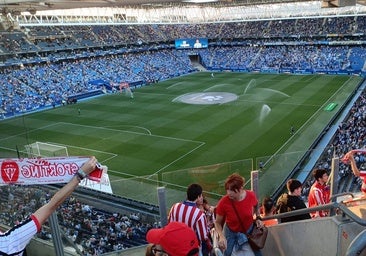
<point x="352" y="161"/>
<point x="46" y="210"/>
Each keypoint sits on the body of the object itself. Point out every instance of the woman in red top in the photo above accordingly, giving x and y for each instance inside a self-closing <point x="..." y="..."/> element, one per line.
<point x="237" y="203"/>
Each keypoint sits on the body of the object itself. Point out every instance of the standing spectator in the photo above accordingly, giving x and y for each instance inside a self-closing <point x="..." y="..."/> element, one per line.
<point x="292" y="201"/>
<point x="319" y="192"/>
<point x="175" y="239"/>
<point x="268" y="209"/>
<point x="209" y="212"/>
<point x="14" y="241"/>
<point x="236" y="209"/>
<point x="187" y="212"/>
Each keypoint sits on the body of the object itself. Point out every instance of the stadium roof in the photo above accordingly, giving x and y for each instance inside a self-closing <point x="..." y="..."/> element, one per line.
<point x="169" y="11"/>
<point x="31" y="5"/>
<point x="70" y="4"/>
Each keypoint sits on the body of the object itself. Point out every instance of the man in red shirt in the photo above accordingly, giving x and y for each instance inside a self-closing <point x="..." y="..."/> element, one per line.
<point x="319" y="192"/>
<point x="188" y="213"/>
<point x="14" y="241"/>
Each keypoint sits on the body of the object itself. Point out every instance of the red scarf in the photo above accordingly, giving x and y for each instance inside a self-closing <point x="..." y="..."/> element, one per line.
<point x="345" y="159"/>
<point x="51" y="170"/>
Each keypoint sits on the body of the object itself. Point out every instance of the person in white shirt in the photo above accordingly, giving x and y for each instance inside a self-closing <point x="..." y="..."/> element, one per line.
<point x="14" y="241"/>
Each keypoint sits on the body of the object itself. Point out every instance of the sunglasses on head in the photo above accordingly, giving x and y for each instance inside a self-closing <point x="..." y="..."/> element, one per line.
<point x="159" y="252"/>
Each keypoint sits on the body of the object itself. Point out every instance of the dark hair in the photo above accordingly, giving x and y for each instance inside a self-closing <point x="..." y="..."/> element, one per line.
<point x="318" y="173"/>
<point x="293" y="184"/>
<point x="193" y="252"/>
<point x="194" y="191"/>
<point x="267" y="204"/>
<point x="234" y="182"/>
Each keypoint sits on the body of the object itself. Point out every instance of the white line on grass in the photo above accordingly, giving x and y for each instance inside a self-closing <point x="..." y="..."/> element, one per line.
<point x="19" y="134"/>
<point x="179" y="158"/>
<point x="153" y="135"/>
<point x="310" y="119"/>
<point x="113" y="155"/>
<point x="54" y="124"/>
<point x="132" y="126"/>
<point x="111" y="129"/>
<point x="11" y="149"/>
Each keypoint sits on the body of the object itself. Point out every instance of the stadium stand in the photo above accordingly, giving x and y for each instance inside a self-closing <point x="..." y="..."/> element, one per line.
<point x="44" y="66"/>
<point x="96" y="230"/>
<point x="350" y="135"/>
<point x="44" y="54"/>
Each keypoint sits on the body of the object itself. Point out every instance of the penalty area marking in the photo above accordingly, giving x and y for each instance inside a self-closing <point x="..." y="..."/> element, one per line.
<point x="179" y="158"/>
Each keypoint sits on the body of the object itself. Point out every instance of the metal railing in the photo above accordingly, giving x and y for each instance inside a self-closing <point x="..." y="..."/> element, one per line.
<point x="358" y="244"/>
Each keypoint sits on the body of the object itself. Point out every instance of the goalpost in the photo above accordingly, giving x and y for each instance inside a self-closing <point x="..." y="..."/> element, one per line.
<point x="43" y="149"/>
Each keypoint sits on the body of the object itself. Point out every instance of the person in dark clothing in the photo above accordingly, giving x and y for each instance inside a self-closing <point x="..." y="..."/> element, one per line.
<point x="292" y="201"/>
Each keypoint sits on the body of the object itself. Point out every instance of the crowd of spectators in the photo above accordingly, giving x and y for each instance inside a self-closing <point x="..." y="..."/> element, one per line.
<point x="351" y="134"/>
<point x="33" y="86"/>
<point x="67" y="59"/>
<point x="127" y="34"/>
<point x="68" y="73"/>
<point x="95" y="231"/>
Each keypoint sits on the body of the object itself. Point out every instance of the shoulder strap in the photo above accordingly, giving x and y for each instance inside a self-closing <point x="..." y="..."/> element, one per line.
<point x="237" y="215"/>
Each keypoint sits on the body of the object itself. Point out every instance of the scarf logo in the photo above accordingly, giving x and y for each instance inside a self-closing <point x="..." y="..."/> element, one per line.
<point x="9" y="171"/>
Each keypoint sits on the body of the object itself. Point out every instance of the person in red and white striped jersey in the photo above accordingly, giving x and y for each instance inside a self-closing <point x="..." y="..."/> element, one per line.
<point x="14" y="241"/>
<point x="187" y="212"/>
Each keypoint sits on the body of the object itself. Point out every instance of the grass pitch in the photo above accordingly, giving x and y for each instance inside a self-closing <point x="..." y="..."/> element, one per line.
<point x="155" y="140"/>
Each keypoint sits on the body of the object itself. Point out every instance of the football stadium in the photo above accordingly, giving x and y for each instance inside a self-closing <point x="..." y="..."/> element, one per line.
<point x="166" y="94"/>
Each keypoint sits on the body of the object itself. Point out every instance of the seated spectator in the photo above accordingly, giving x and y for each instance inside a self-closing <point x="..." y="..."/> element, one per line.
<point x="268" y="209"/>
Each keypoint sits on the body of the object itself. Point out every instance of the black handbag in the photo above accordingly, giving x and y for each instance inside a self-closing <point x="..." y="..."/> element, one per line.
<point x="256" y="238"/>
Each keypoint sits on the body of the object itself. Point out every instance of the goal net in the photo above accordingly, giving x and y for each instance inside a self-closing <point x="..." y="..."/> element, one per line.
<point x="43" y="149"/>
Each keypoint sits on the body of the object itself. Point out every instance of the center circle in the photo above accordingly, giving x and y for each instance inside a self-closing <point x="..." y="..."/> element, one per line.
<point x="207" y="98"/>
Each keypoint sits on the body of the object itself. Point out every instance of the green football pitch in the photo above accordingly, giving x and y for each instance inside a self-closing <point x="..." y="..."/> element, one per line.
<point x="155" y="139"/>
